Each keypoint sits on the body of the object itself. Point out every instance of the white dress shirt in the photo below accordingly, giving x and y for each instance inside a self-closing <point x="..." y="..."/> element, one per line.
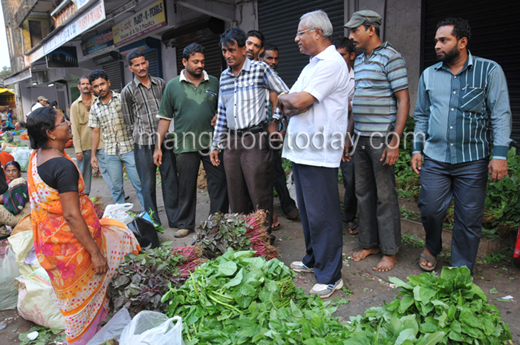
<point x="317" y="137"/>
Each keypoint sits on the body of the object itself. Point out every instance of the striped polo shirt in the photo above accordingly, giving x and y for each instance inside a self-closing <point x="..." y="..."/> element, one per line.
<point x="458" y="116"/>
<point x="378" y="78"/>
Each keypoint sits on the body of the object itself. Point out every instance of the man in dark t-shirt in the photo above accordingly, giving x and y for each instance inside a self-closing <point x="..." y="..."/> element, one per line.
<point x="190" y="101"/>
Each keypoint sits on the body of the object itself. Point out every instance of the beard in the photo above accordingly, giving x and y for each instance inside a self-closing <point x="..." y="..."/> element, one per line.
<point x="449" y="56"/>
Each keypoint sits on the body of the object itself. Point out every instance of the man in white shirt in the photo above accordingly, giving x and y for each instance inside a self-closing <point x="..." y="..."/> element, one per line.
<point x="41" y="102"/>
<point x="318" y="109"/>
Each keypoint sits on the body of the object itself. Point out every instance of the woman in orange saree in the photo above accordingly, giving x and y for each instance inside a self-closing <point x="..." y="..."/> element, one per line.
<point x="79" y="252"/>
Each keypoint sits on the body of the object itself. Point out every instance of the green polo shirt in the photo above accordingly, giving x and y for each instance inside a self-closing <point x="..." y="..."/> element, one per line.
<point x="191" y="109"/>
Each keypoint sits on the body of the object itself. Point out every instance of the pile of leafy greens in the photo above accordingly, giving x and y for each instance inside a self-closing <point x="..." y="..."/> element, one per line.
<point x="234" y="231"/>
<point x="445" y="309"/>
<point x="143" y="279"/>
<point x="241" y="299"/>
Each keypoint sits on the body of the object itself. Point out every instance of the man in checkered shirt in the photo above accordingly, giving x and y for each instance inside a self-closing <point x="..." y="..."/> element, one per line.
<point x="242" y="112"/>
<point x="105" y="117"/>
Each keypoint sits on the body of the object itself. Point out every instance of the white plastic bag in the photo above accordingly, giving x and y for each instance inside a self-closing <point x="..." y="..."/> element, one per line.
<point x="8" y="273"/>
<point x="152" y="328"/>
<point x="22" y="156"/>
<point x="291" y="187"/>
<point x="118" y="212"/>
<point x="23" y="249"/>
<point x="37" y="302"/>
<point x="113" y="328"/>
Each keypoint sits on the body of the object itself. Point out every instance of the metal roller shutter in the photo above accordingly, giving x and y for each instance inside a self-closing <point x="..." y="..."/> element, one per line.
<point x="153" y="61"/>
<point x="491" y="38"/>
<point x="115" y="72"/>
<point x="213" y="57"/>
<point x="278" y="21"/>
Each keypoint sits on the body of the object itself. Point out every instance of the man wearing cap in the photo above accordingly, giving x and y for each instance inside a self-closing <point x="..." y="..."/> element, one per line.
<point x="318" y="108"/>
<point x="41" y="102"/>
<point x="380" y="109"/>
<point x="462" y="116"/>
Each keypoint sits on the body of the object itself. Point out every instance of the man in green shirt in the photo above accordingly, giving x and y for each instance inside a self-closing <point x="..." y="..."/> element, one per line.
<point x="190" y="101"/>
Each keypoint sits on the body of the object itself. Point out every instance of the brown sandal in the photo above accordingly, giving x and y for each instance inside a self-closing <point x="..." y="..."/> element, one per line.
<point x="429" y="259"/>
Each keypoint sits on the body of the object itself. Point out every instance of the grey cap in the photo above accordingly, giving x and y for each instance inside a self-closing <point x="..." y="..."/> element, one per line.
<point x="367" y="17"/>
<point x="41" y="98"/>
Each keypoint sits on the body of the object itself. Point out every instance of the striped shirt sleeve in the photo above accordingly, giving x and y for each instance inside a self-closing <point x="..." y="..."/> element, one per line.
<point x="396" y="73"/>
<point x="221" y="121"/>
<point x="126" y="105"/>
<point x="421" y="116"/>
<point x="500" y="110"/>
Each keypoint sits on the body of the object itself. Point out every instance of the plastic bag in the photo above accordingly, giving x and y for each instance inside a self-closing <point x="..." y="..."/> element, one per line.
<point x="144" y="231"/>
<point x="22" y="156"/>
<point x="8" y="273"/>
<point x="23" y="248"/>
<point x="152" y="328"/>
<point x="37" y="302"/>
<point x="118" y="212"/>
<point x="291" y="187"/>
<point x="113" y="328"/>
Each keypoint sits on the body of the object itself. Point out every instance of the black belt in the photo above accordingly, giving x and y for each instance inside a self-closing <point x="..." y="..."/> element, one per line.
<point x="253" y="130"/>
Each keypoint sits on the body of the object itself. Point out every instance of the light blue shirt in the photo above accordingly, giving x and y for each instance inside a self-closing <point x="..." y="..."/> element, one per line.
<point x="457" y="117"/>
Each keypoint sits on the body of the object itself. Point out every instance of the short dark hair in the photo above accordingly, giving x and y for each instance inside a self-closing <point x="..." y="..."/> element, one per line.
<point x="268" y="47"/>
<point x="134" y="54"/>
<point x="461" y="27"/>
<point x="96" y="74"/>
<point x="38" y="123"/>
<point x="257" y="34"/>
<point x="15" y="164"/>
<point x="377" y="30"/>
<point x="81" y="78"/>
<point x="233" y="35"/>
<point x="343" y="42"/>
<point x="192" y="49"/>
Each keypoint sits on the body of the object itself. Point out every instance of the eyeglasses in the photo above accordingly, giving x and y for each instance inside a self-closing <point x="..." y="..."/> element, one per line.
<point x="65" y="121"/>
<point x="300" y="33"/>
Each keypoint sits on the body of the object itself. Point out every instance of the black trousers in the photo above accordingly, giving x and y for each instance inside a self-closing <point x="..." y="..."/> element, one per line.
<point x="188" y="165"/>
<point x="318" y="202"/>
<point x="280" y="184"/>
<point x="147" y="169"/>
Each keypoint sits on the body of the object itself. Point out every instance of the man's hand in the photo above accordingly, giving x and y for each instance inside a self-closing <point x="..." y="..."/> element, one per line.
<point x="346" y="150"/>
<point x="390" y="155"/>
<point x="416" y="162"/>
<point x="214" y="121"/>
<point x="157" y="156"/>
<point x="214" y="158"/>
<point x="497" y="169"/>
<point x="79" y="156"/>
<point x="94" y="163"/>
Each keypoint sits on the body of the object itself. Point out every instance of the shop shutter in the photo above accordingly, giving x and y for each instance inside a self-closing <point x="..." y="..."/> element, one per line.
<point x="114" y="70"/>
<point x="493" y="36"/>
<point x="213" y="57"/>
<point x="278" y="21"/>
<point x="153" y="60"/>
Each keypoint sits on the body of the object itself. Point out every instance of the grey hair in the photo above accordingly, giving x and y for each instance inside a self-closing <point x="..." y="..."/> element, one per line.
<point x="318" y="20"/>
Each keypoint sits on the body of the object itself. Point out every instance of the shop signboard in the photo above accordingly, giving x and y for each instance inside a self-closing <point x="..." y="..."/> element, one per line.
<point x="149" y="19"/>
<point x="97" y="43"/>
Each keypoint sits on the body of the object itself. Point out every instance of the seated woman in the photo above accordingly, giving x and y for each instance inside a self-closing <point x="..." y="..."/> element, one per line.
<point x="79" y="252"/>
<point x="15" y="201"/>
<point x="7" y="125"/>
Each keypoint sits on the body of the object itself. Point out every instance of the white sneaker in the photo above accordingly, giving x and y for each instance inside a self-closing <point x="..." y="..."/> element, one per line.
<point x="326" y="290"/>
<point x="298" y="266"/>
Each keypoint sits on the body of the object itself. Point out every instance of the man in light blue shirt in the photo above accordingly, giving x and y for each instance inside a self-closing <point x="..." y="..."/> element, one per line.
<point x="462" y="108"/>
<point x="318" y="108"/>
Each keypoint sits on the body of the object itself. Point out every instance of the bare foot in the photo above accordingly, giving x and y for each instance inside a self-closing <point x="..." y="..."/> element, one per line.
<point x="386" y="264"/>
<point x="358" y="256"/>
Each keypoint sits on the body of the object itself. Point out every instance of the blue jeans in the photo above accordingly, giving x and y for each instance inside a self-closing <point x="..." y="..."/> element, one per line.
<point x="467" y="182"/>
<point x="86" y="169"/>
<point x="115" y="170"/>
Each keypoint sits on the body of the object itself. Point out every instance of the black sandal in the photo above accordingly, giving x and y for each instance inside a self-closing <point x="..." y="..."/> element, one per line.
<point x="353" y="229"/>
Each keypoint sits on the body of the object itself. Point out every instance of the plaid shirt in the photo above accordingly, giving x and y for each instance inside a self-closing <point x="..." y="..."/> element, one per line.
<point x="139" y="106"/>
<point x="242" y="100"/>
<point x="116" y="134"/>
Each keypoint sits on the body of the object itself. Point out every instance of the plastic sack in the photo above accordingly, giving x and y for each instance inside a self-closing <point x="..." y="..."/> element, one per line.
<point x="23" y="248"/>
<point x="152" y="328"/>
<point x="22" y="156"/>
<point x="118" y="212"/>
<point x="113" y="328"/>
<point x="144" y="231"/>
<point x="291" y="187"/>
<point x="8" y="273"/>
<point x="37" y="302"/>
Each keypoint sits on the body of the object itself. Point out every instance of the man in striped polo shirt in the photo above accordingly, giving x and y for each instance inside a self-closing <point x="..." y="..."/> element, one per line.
<point x="380" y="109"/>
<point x="462" y="108"/>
